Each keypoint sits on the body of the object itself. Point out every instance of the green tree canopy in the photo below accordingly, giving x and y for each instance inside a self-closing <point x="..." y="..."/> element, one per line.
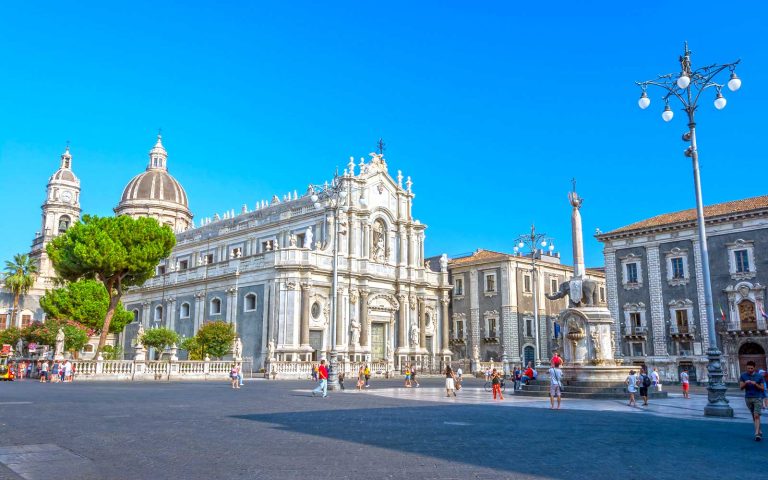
<point x="75" y="335"/>
<point x="159" y="338"/>
<point x="213" y="339"/>
<point x="86" y="302"/>
<point x="117" y="251"/>
<point x="19" y="276"/>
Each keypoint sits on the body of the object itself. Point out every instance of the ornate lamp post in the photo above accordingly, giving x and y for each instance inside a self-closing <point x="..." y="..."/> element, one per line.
<point x="531" y="243"/>
<point x="687" y="87"/>
<point x="332" y="197"/>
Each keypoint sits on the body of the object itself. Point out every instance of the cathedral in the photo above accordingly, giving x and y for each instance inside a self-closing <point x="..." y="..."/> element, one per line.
<point x="270" y="270"/>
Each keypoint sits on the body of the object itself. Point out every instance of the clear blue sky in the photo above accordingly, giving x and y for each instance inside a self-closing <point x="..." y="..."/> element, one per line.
<point x="491" y="107"/>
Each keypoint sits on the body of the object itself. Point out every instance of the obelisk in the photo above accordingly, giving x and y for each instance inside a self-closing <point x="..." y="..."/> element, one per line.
<point x="578" y="239"/>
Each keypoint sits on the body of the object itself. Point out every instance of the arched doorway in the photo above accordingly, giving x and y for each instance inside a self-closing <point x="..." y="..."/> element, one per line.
<point x="751" y="351"/>
<point x="528" y="356"/>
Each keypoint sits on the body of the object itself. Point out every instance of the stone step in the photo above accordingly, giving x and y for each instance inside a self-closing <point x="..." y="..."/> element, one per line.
<point x="588" y="396"/>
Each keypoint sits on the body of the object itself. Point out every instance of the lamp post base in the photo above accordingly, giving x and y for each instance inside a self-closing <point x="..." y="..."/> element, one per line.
<point x="333" y="372"/>
<point x="718" y="405"/>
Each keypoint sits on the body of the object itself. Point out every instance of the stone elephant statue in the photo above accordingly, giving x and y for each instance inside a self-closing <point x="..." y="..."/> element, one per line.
<point x="589" y="294"/>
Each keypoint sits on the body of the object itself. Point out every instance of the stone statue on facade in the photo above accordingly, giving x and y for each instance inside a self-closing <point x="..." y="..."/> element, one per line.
<point x="378" y="253"/>
<point x="415" y="335"/>
<point x="20" y="346"/>
<point x="270" y="350"/>
<point x="237" y="348"/>
<point x="389" y="351"/>
<point x="139" y="335"/>
<point x="355" y="328"/>
<point x="308" y="238"/>
<point x="59" y="351"/>
<point x="292" y="240"/>
<point x="444" y="263"/>
<point x="475" y="353"/>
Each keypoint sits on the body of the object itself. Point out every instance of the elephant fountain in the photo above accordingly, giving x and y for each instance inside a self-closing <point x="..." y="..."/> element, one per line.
<point x="589" y="292"/>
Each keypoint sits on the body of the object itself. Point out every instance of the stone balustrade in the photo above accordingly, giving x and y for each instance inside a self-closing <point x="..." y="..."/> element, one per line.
<point x="119" y="370"/>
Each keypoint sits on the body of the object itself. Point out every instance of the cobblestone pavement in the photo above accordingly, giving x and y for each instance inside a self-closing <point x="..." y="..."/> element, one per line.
<point x="278" y="430"/>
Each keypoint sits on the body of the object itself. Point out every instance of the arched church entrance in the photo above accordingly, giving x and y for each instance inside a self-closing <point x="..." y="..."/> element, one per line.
<point x="754" y="352"/>
<point x="528" y="356"/>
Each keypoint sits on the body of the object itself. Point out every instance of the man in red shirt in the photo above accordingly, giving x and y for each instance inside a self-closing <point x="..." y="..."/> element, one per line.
<point x="322" y="376"/>
<point x="528" y="374"/>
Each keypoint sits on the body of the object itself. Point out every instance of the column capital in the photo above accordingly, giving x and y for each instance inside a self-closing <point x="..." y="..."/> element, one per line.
<point x="364" y="292"/>
<point x="306" y="285"/>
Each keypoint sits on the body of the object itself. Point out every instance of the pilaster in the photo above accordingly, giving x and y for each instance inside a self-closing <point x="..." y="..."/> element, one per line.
<point x="703" y="320"/>
<point x="657" y="301"/>
<point x="612" y="291"/>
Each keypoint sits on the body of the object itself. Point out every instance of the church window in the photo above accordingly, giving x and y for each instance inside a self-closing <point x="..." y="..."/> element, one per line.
<point x="636" y="319"/>
<point x="250" y="302"/>
<point x="26" y="320"/>
<point x="677" y="268"/>
<point x="458" y="286"/>
<point x="459" y="329"/>
<point x="184" y="310"/>
<point x="183" y="264"/>
<point x="528" y="327"/>
<point x="379" y="249"/>
<point x="64" y="222"/>
<point x="135" y="315"/>
<point x="3" y="321"/>
<point x="490" y="327"/>
<point x="316" y="310"/>
<point x="158" y="313"/>
<point x="88" y="348"/>
<point x="631" y="273"/>
<point x="208" y="259"/>
<point x="742" y="261"/>
<point x="490" y="282"/>
<point x="161" y="269"/>
<point x="681" y="320"/>
<point x="553" y="285"/>
<point x="215" y="306"/>
<point x="602" y="294"/>
<point x="527" y="284"/>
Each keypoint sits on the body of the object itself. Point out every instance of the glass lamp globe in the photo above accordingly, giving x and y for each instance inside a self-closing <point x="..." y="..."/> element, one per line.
<point x="551" y="247"/>
<point x="543" y="243"/>
<point x="644" y="101"/>
<point x="667" y="114"/>
<point x="683" y="81"/>
<point x="314" y="198"/>
<point x="520" y="245"/>
<point x="734" y="83"/>
<point x="516" y="249"/>
<point x="318" y="206"/>
<point x="720" y="101"/>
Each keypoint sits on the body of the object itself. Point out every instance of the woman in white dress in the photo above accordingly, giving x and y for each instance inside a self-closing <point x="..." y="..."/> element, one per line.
<point x="450" y="382"/>
<point x="631" y="383"/>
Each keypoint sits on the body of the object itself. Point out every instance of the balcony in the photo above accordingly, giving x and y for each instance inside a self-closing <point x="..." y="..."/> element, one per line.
<point x="681" y="331"/>
<point x="457" y="341"/>
<point x="636" y="331"/>
<point x="493" y="338"/>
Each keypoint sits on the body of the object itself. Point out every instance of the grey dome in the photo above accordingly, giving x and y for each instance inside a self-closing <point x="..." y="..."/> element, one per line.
<point x="155" y="185"/>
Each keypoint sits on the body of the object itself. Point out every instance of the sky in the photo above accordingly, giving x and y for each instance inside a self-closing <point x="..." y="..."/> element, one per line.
<point x="491" y="107"/>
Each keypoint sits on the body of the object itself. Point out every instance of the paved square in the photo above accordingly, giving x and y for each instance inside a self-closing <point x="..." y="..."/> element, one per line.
<point x="277" y="430"/>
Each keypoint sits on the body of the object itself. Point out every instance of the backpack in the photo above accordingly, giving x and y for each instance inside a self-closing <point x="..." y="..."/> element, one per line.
<point x="646" y="381"/>
<point x="535" y="374"/>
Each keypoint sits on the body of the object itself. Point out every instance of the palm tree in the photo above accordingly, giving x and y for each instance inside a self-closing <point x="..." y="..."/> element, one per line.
<point x="19" y="277"/>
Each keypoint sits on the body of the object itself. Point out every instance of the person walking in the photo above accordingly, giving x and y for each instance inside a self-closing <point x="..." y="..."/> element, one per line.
<point x="55" y="372"/>
<point x="68" y="371"/>
<point x="753" y="385"/>
<point x="233" y="374"/>
<point x="314" y="373"/>
<point x="450" y="382"/>
<point x="413" y="377"/>
<point x="322" y="376"/>
<point x="655" y="380"/>
<point x="361" y="378"/>
<point x="631" y="383"/>
<point x="44" y="372"/>
<point x="496" y="384"/>
<point x="645" y="382"/>
<point x="555" y="384"/>
<point x="341" y="380"/>
<point x="367" y="376"/>
<point x="684" y="380"/>
<point x="517" y="376"/>
<point x="408" y="376"/>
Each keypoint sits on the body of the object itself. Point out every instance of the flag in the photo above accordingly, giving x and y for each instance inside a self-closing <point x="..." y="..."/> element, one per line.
<point x="722" y="313"/>
<point x="762" y="312"/>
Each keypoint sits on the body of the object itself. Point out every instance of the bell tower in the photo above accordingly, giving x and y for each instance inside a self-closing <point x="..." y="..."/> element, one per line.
<point x="61" y="210"/>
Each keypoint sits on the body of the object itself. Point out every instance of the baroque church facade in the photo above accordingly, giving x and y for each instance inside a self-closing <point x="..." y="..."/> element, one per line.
<point x="60" y="210"/>
<point x="269" y="270"/>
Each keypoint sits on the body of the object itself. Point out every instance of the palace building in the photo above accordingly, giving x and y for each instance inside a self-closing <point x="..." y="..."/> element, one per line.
<point x="656" y="295"/>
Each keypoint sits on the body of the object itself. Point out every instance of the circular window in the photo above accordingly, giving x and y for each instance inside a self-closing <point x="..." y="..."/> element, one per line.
<point x="315" y="310"/>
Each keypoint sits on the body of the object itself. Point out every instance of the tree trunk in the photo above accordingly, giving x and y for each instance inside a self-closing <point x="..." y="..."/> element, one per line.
<point x="15" y="310"/>
<point x="113" y="301"/>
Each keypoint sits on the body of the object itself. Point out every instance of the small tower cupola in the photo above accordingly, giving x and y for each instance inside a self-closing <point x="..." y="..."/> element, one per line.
<point x="66" y="159"/>
<point x="158" y="156"/>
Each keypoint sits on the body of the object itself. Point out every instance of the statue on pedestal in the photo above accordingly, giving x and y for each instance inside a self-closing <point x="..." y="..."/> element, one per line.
<point x="270" y="350"/>
<point x="59" y="352"/>
<point x="355" y="328"/>
<point x="414" y="335"/>
<point x="237" y="348"/>
<point x="308" y="237"/>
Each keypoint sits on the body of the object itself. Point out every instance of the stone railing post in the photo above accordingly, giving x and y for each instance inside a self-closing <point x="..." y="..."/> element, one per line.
<point x="207" y="365"/>
<point x="99" y="364"/>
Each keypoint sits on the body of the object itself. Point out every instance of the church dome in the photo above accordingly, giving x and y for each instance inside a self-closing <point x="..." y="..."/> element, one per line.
<point x="155" y="185"/>
<point x="155" y="193"/>
<point x="64" y="173"/>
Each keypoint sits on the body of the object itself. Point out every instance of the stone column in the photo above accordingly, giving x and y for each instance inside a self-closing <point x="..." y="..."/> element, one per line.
<point x="365" y="325"/>
<point x="445" y="324"/>
<point x="304" y="334"/>
<point x="231" y="304"/>
<point x="340" y="325"/>
<point x="199" y="310"/>
<point x="403" y="246"/>
<point x="422" y="323"/>
<point x="402" y="328"/>
<point x="171" y="302"/>
<point x="146" y="317"/>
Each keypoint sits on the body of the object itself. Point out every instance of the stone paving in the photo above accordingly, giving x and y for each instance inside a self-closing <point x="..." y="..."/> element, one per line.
<point x="278" y="430"/>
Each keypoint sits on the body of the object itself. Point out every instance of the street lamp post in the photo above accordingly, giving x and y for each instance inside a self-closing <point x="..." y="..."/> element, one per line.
<point x="687" y="87"/>
<point x="333" y="196"/>
<point x="531" y="242"/>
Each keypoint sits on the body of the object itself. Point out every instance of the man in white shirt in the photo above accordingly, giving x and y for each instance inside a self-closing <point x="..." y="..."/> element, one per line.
<point x="67" y="371"/>
<point x="655" y="379"/>
<point x="555" y="384"/>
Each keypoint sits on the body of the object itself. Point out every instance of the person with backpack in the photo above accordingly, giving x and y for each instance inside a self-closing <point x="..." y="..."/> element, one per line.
<point x="645" y="382"/>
